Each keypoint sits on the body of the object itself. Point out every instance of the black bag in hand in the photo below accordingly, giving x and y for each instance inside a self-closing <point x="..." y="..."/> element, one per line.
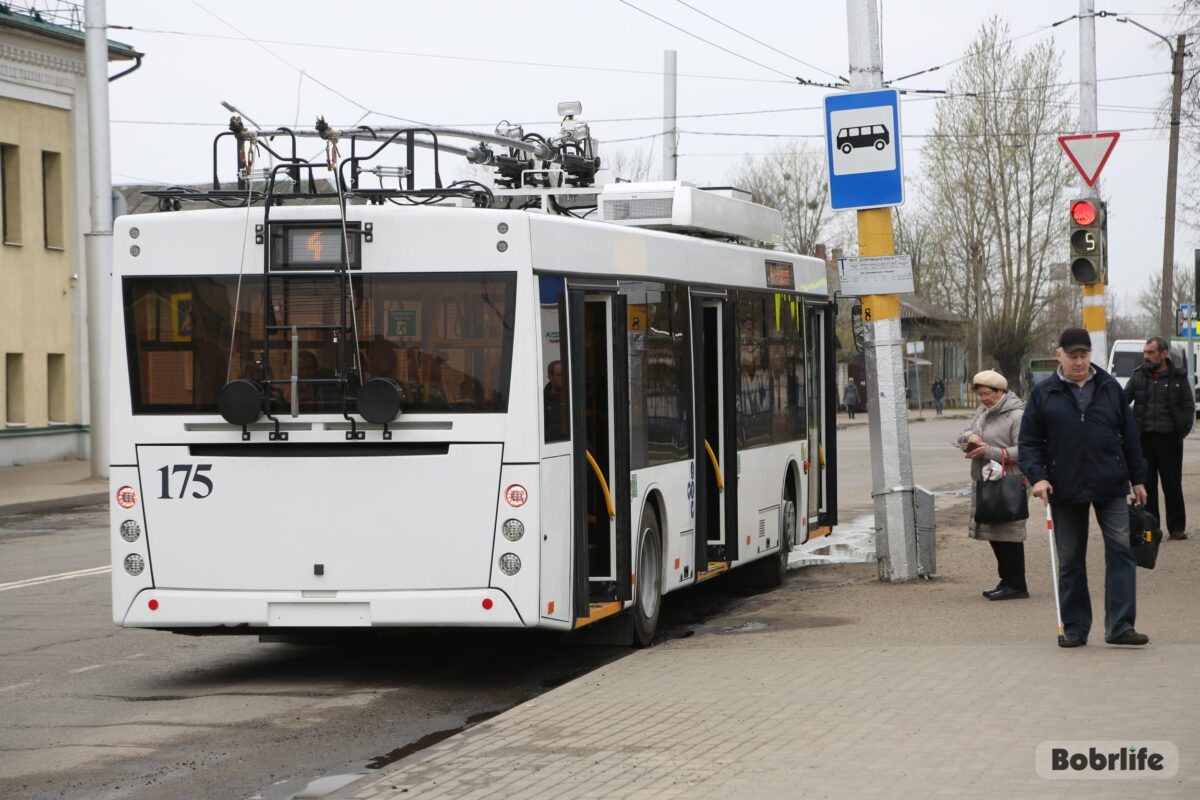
<point x="1144" y="536"/>
<point x="1003" y="500"/>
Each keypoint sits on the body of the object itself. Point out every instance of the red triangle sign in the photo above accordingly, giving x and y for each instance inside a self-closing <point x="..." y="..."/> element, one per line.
<point x="1089" y="152"/>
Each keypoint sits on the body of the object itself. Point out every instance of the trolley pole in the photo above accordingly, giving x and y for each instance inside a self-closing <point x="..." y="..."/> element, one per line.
<point x="670" y="125"/>
<point x="99" y="241"/>
<point x="887" y="408"/>
<point x="1094" y="319"/>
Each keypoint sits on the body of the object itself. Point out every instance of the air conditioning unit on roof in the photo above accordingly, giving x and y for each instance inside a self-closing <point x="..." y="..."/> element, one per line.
<point x="681" y="207"/>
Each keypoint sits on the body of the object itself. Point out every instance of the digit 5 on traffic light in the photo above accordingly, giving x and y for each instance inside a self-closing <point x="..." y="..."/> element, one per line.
<point x="1089" y="246"/>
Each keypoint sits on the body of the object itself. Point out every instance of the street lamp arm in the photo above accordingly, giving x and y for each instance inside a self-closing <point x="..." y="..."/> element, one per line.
<point x="1166" y="41"/>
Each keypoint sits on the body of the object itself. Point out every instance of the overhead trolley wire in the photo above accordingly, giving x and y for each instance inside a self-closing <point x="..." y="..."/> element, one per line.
<point x="722" y="48"/>
<point x="764" y="44"/>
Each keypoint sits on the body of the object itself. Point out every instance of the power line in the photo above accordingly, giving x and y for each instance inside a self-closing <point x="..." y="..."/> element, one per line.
<point x="722" y="48"/>
<point x="449" y="57"/>
<point x="764" y="44"/>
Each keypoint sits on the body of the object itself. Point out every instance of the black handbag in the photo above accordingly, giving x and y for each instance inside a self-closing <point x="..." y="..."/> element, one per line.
<point x="1003" y="500"/>
<point x="1144" y="536"/>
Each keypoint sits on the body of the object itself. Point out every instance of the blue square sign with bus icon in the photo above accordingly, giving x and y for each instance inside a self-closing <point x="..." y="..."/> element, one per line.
<point x="862" y="141"/>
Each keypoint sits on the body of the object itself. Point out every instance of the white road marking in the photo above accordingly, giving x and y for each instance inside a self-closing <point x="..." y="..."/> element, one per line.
<point x="16" y="686"/>
<point x="86" y="669"/>
<point x="62" y="576"/>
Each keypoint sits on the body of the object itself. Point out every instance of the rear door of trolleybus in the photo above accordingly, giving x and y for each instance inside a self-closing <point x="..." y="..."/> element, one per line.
<point x="822" y="486"/>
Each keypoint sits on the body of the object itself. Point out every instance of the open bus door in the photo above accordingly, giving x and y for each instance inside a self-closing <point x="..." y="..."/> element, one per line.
<point x="602" y="563"/>
<point x="821" y="386"/>
<point x="715" y="452"/>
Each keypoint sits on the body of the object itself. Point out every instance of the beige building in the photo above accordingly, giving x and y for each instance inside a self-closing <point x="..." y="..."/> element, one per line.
<point x="44" y="198"/>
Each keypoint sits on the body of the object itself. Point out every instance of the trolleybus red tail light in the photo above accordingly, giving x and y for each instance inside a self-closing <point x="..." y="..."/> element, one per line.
<point x="126" y="497"/>
<point x="516" y="495"/>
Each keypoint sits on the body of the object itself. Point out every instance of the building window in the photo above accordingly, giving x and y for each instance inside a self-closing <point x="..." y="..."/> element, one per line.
<point x="52" y="200"/>
<point x="10" y="194"/>
<point x="56" y="388"/>
<point x="14" y="385"/>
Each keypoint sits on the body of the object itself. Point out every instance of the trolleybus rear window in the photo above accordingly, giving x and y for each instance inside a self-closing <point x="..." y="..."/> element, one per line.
<point x="447" y="338"/>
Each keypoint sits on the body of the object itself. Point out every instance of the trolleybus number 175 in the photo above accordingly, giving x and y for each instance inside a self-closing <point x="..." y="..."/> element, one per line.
<point x="195" y="475"/>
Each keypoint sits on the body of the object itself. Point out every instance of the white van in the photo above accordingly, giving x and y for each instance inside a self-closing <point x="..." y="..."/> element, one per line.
<point x="1124" y="358"/>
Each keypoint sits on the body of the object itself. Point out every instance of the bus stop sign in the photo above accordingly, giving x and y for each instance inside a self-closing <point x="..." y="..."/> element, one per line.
<point x="862" y="142"/>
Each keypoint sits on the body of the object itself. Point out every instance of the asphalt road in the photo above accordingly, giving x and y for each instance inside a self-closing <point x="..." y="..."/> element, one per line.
<point x="92" y="711"/>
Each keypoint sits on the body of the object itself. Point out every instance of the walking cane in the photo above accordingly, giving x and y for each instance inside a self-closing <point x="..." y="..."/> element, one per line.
<point x="1054" y="569"/>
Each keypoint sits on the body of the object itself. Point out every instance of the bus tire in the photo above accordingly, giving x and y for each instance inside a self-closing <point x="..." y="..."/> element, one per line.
<point x="647" y="599"/>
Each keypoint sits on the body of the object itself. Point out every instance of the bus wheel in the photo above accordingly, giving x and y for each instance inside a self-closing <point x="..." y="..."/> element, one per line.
<point x="647" y="600"/>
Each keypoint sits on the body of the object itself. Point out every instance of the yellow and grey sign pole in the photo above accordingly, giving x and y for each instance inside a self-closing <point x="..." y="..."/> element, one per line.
<point x="887" y="406"/>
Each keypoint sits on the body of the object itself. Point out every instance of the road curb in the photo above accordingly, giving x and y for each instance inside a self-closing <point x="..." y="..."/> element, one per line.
<point x="53" y="503"/>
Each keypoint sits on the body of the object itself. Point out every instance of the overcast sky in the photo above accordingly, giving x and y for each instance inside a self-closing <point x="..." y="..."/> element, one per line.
<point x="442" y="63"/>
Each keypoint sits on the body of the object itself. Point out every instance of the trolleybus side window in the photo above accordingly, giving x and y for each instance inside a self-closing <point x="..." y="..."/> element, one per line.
<point x="556" y="399"/>
<point x="447" y="338"/>
<point x="659" y="375"/>
<point x="786" y="345"/>
<point x="754" y="375"/>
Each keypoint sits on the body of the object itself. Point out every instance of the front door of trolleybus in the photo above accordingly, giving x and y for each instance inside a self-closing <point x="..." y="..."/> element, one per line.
<point x="600" y="435"/>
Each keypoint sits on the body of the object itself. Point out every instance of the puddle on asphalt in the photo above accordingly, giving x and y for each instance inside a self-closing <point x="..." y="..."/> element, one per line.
<point x="428" y="740"/>
<point x="747" y="627"/>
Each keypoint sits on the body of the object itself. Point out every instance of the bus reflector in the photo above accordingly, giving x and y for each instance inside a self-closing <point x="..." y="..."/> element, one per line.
<point x="153" y="604"/>
<point x="487" y="604"/>
<point x="126" y="497"/>
<point x="516" y="495"/>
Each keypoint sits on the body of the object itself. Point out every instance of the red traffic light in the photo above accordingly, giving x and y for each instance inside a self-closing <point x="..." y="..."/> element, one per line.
<point x="1083" y="212"/>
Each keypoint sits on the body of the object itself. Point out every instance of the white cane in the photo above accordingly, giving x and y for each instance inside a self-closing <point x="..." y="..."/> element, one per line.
<point x="1054" y="569"/>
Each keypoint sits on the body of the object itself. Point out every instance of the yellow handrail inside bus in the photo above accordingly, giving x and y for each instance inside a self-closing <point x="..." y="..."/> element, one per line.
<point x="603" y="484"/>
<point x="716" y="467"/>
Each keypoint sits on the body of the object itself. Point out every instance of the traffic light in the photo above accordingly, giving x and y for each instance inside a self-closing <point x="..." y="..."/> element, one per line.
<point x="1089" y="248"/>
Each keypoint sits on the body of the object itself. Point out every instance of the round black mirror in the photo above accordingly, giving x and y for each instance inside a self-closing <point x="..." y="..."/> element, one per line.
<point x="379" y="400"/>
<point x="240" y="402"/>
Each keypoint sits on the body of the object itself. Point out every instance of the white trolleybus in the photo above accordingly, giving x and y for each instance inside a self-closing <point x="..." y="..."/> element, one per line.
<point x="344" y="400"/>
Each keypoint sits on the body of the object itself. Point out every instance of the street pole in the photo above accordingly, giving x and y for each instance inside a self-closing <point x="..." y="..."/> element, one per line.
<point x="98" y="242"/>
<point x="670" y="132"/>
<point x="1167" y="310"/>
<point x="891" y="464"/>
<point x="1094" y="320"/>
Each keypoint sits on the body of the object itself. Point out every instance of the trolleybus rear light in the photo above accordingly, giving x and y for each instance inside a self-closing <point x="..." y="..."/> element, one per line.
<point x="134" y="564"/>
<point x="510" y="564"/>
<point x="487" y="604"/>
<point x="126" y="497"/>
<point x="514" y="529"/>
<point x="153" y="604"/>
<point x="130" y="530"/>
<point x="516" y="495"/>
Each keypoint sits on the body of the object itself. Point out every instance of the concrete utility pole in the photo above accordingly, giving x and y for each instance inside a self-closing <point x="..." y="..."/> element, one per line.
<point x="670" y="126"/>
<point x="98" y="247"/>
<point x="1167" y="312"/>
<point x="891" y="464"/>
<point x="1094" y="319"/>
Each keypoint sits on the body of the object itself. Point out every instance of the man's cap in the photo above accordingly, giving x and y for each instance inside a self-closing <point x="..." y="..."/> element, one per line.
<point x="991" y="379"/>
<point x="1073" y="339"/>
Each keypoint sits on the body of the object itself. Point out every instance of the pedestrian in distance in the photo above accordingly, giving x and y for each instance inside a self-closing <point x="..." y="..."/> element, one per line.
<point x="939" y="394"/>
<point x="1079" y="444"/>
<point x="850" y="398"/>
<point x="1165" y="410"/>
<point x="993" y="436"/>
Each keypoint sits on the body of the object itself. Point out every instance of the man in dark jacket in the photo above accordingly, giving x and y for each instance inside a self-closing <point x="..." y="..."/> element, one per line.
<point x="1079" y="445"/>
<point x="1165" y="409"/>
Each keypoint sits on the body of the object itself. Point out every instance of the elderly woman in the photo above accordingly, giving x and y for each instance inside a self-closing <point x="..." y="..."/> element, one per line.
<point x="994" y="430"/>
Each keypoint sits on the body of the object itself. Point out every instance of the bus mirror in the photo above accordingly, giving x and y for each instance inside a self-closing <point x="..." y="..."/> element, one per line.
<point x="856" y="325"/>
<point x="240" y="402"/>
<point x="379" y="400"/>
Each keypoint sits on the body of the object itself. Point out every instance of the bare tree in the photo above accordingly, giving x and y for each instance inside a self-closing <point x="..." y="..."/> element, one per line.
<point x="634" y="164"/>
<point x="792" y="179"/>
<point x="1150" y="299"/>
<point x="995" y="184"/>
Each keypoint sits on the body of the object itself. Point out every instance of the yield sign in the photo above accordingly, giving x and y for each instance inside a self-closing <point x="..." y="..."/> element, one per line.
<point x="1089" y="152"/>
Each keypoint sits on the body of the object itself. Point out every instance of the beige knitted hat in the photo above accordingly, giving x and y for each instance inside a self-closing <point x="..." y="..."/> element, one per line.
<point x="991" y="379"/>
